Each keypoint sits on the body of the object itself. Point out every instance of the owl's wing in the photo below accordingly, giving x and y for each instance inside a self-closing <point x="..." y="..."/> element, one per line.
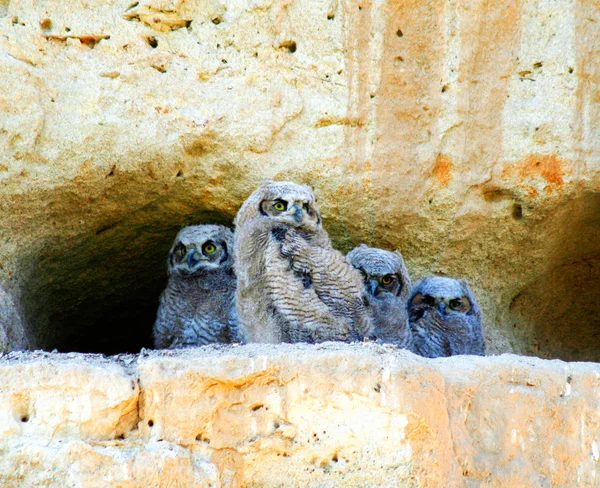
<point x="235" y="332"/>
<point x="305" y="316"/>
<point x="337" y="284"/>
<point x="166" y="326"/>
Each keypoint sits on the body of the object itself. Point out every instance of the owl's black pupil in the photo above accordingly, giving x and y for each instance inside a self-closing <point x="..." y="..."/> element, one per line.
<point x="455" y="304"/>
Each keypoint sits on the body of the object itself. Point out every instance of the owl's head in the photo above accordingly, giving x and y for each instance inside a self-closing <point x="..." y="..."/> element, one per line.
<point x="384" y="272"/>
<point x="200" y="248"/>
<point x="283" y="203"/>
<point x="446" y="296"/>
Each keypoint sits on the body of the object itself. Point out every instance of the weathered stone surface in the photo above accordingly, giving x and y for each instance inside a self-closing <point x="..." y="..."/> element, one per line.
<point x="74" y="463"/>
<point x="305" y="416"/>
<point x="52" y="397"/>
<point x="465" y="134"/>
<point x="12" y="331"/>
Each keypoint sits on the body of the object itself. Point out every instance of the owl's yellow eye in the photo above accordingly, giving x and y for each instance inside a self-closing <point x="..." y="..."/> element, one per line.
<point x="280" y="205"/>
<point x="209" y="248"/>
<point x="387" y="279"/>
<point x="182" y="251"/>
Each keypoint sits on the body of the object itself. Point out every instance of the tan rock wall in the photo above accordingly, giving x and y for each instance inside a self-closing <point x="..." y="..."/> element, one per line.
<point x="298" y="415"/>
<point x="464" y="134"/>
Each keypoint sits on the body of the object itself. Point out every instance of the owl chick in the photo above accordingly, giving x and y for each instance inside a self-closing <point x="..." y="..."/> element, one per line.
<point x="444" y="318"/>
<point x="198" y="305"/>
<point x="387" y="284"/>
<point x="292" y="285"/>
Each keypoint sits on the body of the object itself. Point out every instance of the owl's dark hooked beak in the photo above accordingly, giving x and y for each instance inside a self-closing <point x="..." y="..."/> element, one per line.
<point x="297" y="215"/>
<point x="372" y="286"/>
<point x="191" y="260"/>
<point x="442" y="307"/>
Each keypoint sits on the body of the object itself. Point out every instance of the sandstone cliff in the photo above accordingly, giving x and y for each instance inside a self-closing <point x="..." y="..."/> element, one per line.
<point x="297" y="415"/>
<point x="464" y="134"/>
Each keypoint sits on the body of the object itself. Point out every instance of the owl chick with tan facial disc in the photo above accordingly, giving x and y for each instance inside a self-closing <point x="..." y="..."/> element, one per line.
<point x="292" y="285"/>
<point x="387" y="284"/>
<point x="198" y="305"/>
<point x="444" y="318"/>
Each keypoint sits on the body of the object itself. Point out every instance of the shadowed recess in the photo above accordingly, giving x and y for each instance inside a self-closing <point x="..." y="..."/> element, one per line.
<point x="100" y="293"/>
<point x="562" y="306"/>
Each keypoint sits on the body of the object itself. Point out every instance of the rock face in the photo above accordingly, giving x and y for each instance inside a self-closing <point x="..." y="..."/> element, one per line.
<point x="466" y="135"/>
<point x="297" y="415"/>
<point x="13" y="335"/>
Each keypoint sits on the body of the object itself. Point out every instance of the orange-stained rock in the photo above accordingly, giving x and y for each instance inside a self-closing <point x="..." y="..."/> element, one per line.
<point x="359" y="415"/>
<point x="464" y="134"/>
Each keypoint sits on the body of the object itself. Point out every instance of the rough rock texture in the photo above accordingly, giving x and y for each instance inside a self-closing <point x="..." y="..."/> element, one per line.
<point x="297" y="415"/>
<point x="466" y="134"/>
<point x="13" y="335"/>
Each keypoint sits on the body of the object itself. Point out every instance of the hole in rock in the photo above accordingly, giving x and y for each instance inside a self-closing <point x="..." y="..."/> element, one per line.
<point x="46" y="24"/>
<point x="517" y="211"/>
<point x="150" y="423"/>
<point x="25" y="419"/>
<point x="152" y="42"/>
<point x="202" y="437"/>
<point x="96" y="289"/>
<point x="289" y="45"/>
<point x="561" y="308"/>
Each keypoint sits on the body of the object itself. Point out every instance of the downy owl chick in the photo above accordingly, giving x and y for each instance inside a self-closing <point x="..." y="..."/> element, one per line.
<point x="198" y="305"/>
<point x="387" y="284"/>
<point x="292" y="285"/>
<point x="444" y="318"/>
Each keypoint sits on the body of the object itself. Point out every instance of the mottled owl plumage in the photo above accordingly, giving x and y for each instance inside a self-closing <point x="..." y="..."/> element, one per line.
<point x="198" y="305"/>
<point x="444" y="318"/>
<point x="292" y="285"/>
<point x="388" y="285"/>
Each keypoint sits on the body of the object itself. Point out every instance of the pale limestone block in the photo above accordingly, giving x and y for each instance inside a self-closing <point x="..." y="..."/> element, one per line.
<point x="81" y="398"/>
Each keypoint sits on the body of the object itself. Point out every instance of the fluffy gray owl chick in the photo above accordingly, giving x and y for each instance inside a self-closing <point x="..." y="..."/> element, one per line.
<point x="444" y="318"/>
<point x="292" y="285"/>
<point x="387" y="284"/>
<point x="198" y="305"/>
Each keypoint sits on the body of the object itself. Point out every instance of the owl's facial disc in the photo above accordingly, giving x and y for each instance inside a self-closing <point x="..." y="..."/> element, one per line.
<point x="188" y="258"/>
<point x="383" y="284"/>
<point x="289" y="211"/>
<point x="442" y="305"/>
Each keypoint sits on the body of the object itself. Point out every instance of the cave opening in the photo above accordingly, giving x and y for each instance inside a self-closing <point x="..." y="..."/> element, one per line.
<point x="99" y="294"/>
<point x="561" y="308"/>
